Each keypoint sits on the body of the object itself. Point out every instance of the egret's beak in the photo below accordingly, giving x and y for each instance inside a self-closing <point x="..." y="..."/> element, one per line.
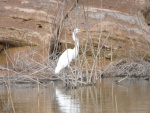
<point x="83" y="30"/>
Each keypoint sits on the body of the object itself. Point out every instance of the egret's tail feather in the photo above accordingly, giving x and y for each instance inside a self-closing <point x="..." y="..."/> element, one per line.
<point x="57" y="70"/>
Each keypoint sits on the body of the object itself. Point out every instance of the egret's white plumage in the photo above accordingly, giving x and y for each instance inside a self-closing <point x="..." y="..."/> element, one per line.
<point x="69" y="54"/>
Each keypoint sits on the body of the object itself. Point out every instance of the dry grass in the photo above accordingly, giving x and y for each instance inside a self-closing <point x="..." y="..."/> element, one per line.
<point x="24" y="68"/>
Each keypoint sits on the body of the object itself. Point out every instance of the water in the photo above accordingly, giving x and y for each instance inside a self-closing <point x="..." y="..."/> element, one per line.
<point x="130" y="96"/>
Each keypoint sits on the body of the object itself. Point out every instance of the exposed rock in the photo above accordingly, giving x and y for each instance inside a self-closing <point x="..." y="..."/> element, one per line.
<point x="116" y="24"/>
<point x="24" y="22"/>
<point x="117" y="27"/>
<point x="144" y="7"/>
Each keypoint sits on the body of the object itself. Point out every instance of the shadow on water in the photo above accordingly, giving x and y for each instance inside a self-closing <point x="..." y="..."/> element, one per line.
<point x="130" y="96"/>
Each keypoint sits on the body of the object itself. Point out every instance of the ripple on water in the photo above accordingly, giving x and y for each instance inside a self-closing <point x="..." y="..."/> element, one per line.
<point x="130" y="96"/>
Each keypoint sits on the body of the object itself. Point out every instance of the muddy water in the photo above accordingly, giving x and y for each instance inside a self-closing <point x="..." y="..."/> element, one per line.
<point x="106" y="97"/>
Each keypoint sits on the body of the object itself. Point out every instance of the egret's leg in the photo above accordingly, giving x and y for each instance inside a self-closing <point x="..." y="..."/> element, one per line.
<point x="66" y="80"/>
<point x="66" y="77"/>
<point x="67" y="73"/>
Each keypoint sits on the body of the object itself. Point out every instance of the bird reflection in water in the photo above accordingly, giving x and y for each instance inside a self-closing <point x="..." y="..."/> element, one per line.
<point x="66" y="103"/>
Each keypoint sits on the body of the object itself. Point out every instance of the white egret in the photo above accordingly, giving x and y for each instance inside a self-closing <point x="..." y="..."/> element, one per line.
<point x="69" y="54"/>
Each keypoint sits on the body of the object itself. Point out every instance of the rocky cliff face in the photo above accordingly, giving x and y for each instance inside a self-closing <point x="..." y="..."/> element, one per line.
<point x="25" y="22"/>
<point x="121" y="28"/>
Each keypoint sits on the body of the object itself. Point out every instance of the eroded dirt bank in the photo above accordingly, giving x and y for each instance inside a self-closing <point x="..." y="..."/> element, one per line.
<point x="116" y="30"/>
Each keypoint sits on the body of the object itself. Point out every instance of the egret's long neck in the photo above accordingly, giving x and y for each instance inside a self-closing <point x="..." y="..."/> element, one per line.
<point x="76" y="48"/>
